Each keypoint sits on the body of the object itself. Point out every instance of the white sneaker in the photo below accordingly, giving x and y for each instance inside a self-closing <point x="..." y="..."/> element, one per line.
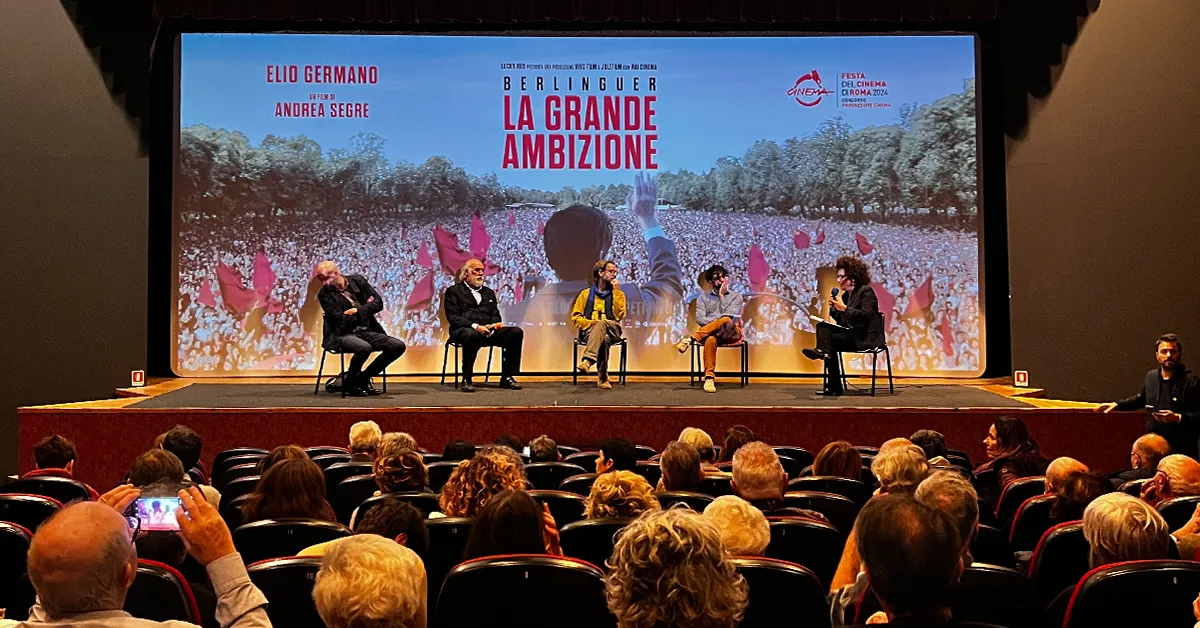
<point x="710" y="385"/>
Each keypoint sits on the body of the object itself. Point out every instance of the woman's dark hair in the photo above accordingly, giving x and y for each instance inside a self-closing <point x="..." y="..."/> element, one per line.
<point x="735" y="437"/>
<point x="1078" y="490"/>
<point x="290" y="488"/>
<point x="279" y="454"/>
<point x="510" y="523"/>
<point x="855" y="269"/>
<point x="1011" y="432"/>
<point x="839" y="459"/>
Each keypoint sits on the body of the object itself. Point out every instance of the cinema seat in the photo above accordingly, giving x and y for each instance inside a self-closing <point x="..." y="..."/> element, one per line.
<point x="566" y="450"/>
<point x="1177" y="510"/>
<point x="288" y="584"/>
<point x="160" y="593"/>
<point x="591" y="539"/>
<point x="695" y="501"/>
<point x="781" y="589"/>
<point x="547" y="590"/>
<point x="813" y="544"/>
<point x="585" y="459"/>
<point x="649" y="470"/>
<point x="564" y="507"/>
<point x="991" y="546"/>
<point x="802" y="456"/>
<point x="313" y="452"/>
<point x="1059" y="561"/>
<point x="239" y="487"/>
<point x="1031" y="522"/>
<point x="547" y="476"/>
<point x="63" y="490"/>
<point x="1014" y="494"/>
<point x="447" y="543"/>
<point x="991" y="594"/>
<point x="644" y="452"/>
<point x="27" y="511"/>
<point x="222" y="456"/>
<point x="840" y="511"/>
<point x="1133" y="487"/>
<point x="439" y="474"/>
<point x="329" y="460"/>
<point x="218" y="475"/>
<point x="16" y="592"/>
<point x="335" y="473"/>
<point x="350" y="493"/>
<point x="231" y="510"/>
<point x="715" y="486"/>
<point x="277" y="538"/>
<point x="236" y="473"/>
<point x="579" y="484"/>
<point x="853" y="490"/>
<point x="1164" y="589"/>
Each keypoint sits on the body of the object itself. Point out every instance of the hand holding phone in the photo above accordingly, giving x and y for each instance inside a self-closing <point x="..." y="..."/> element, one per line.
<point x="157" y="514"/>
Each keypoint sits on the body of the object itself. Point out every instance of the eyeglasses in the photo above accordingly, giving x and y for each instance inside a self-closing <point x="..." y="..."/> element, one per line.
<point x="135" y="526"/>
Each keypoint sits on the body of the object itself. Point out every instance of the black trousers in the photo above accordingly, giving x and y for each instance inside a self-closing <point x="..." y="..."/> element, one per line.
<point x="831" y="340"/>
<point x="362" y="343"/>
<point x="508" y="338"/>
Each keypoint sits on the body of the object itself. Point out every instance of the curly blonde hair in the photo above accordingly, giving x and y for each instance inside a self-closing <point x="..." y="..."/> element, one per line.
<point x="669" y="568"/>
<point x="475" y="480"/>
<point x="401" y="473"/>
<point x="619" y="494"/>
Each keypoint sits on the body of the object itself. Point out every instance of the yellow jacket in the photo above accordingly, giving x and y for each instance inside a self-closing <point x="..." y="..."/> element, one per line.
<point x="582" y="321"/>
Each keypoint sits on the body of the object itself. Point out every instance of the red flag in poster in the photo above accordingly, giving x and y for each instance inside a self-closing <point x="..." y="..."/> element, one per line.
<point x="758" y="270"/>
<point x="512" y="218"/>
<point x="424" y="259"/>
<point x="801" y="239"/>
<point x="264" y="277"/>
<point x="237" y="297"/>
<point x="519" y="288"/>
<point x="206" y="297"/>
<point x="449" y="254"/>
<point x="541" y="227"/>
<point x="921" y="300"/>
<point x="480" y="240"/>
<point x="864" y="245"/>
<point x="887" y="304"/>
<point x="422" y="293"/>
<point x="820" y="238"/>
<point x="274" y="307"/>
<point x="947" y="335"/>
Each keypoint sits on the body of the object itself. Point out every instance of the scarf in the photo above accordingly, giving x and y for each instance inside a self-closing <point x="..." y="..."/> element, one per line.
<point x="590" y="306"/>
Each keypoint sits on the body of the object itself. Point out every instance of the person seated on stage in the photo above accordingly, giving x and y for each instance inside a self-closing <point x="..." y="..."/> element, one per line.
<point x="839" y="459"/>
<point x="1178" y="476"/>
<point x="393" y="519"/>
<point x="597" y="314"/>
<point x="474" y="318"/>
<point x="1171" y="393"/>
<point x="544" y="449"/>
<point x="856" y="308"/>
<point x="1148" y="450"/>
<point x="350" y="304"/>
<point x="619" y="494"/>
<point x="1012" y="454"/>
<point x="474" y="481"/>
<point x="289" y="489"/>
<point x="703" y="443"/>
<point x="759" y="478"/>
<point x="735" y="437"/>
<point x="279" y="454"/>
<point x="367" y="580"/>
<point x="719" y="315"/>
<point x="364" y="440"/>
<point x="396" y="443"/>
<point x="456" y="450"/>
<point x="680" y="464"/>
<point x="54" y="456"/>
<point x="744" y="529"/>
<point x="616" y="454"/>
<point x="512" y="522"/>
<point x="510" y="441"/>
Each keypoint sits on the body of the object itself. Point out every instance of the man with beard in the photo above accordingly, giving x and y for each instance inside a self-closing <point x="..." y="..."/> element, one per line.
<point x="1171" y="396"/>
<point x="471" y="310"/>
<point x="350" y="304"/>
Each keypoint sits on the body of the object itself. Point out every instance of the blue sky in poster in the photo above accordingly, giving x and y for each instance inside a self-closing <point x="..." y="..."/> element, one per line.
<point x="442" y="95"/>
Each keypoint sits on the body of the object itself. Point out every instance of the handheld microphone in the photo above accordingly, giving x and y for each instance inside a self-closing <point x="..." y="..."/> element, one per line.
<point x="834" y="293"/>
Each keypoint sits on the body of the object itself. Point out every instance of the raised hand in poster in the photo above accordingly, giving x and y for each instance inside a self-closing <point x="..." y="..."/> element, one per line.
<point x="642" y="199"/>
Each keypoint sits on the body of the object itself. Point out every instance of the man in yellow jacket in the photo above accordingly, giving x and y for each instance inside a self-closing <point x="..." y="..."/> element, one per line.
<point x="597" y="314"/>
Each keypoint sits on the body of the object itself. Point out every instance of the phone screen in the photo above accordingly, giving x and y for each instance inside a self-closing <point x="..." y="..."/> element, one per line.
<point x="157" y="513"/>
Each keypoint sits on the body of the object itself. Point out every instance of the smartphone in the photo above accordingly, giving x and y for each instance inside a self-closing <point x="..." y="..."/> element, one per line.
<point x="157" y="514"/>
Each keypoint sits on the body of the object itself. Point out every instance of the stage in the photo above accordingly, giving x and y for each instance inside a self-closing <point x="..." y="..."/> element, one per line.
<point x="265" y="412"/>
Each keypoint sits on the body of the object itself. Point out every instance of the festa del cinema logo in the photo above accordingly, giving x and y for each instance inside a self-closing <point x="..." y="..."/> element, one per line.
<point x="808" y="90"/>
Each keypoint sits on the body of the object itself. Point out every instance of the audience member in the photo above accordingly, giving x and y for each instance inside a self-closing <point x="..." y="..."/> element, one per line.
<point x="391" y="518"/>
<point x="1073" y="494"/>
<point x="1057" y="471"/>
<point x="735" y="437"/>
<point x="1012" y="454"/>
<point x="619" y="494"/>
<point x="544" y="449"/>
<point x="456" y="450"/>
<point x="400" y="473"/>
<point x="1177" y="476"/>
<point x="680" y="464"/>
<point x="759" y="478"/>
<point x="157" y="466"/>
<point x="54" y="456"/>
<point x="367" y="581"/>
<point x="364" y="440"/>
<point x="493" y="469"/>
<point x="616" y="454"/>
<point x="289" y="489"/>
<point x="892" y="443"/>
<point x="951" y="493"/>
<point x="900" y="469"/>
<point x="703" y="443"/>
<point x="279" y="454"/>
<point x="186" y="444"/>
<point x="933" y="443"/>
<point x="512" y="523"/>
<point x="669" y="569"/>
<point x="743" y="528"/>
<point x="396" y="443"/>
<point x="512" y="442"/>
<point x="1148" y="450"/>
<point x="839" y="459"/>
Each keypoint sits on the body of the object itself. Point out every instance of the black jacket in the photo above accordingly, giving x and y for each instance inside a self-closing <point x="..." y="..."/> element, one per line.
<point x="462" y="310"/>
<point x="863" y="316"/>
<point x="1179" y="394"/>
<point x="337" y="324"/>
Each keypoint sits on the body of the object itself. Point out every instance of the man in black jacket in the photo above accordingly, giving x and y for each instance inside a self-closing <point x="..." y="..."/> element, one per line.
<point x="350" y="304"/>
<point x="1171" y="395"/>
<point x="475" y="322"/>
<point x="856" y="309"/>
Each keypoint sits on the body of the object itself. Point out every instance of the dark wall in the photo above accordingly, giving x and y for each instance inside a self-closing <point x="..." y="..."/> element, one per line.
<point x="1104" y="234"/>
<point x="73" y="214"/>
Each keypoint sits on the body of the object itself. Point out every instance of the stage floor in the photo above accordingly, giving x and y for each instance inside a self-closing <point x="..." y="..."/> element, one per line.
<point x="407" y="394"/>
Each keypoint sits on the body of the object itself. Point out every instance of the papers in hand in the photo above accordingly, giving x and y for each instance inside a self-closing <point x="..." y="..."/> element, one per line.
<point x="818" y="319"/>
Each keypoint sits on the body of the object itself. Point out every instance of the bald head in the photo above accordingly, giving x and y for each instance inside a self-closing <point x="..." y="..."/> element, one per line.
<point x="82" y="560"/>
<point x="1150" y="450"/>
<point x="1058" y="471"/>
<point x="894" y="443"/>
<point x="1182" y="476"/>
<point x="328" y="273"/>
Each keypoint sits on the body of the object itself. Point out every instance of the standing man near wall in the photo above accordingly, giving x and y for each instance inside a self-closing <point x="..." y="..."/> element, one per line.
<point x="1170" y="394"/>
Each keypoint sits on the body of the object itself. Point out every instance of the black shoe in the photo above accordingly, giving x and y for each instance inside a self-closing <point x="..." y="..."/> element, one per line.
<point x="813" y="354"/>
<point x="369" y="389"/>
<point x="352" y="386"/>
<point x="830" y="393"/>
<point x="509" y="383"/>
<point x="467" y="386"/>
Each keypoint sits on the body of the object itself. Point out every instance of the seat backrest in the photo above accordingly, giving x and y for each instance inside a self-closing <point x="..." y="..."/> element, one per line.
<point x="439" y="473"/>
<point x="288" y="584"/>
<point x="350" y="493"/>
<point x="231" y="510"/>
<point x="160" y="593"/>
<point x="547" y="590"/>
<point x="1133" y="487"/>
<point x="424" y="502"/>
<point x="853" y="490"/>
<point x="236" y="473"/>
<point x="27" y="511"/>
<point x="790" y="467"/>
<point x="695" y="501"/>
<point x="715" y="486"/>
<point x="644" y="452"/>
<point x="335" y="473"/>
<point x="239" y="487"/>
<point x="567" y="450"/>
<point x="1178" y="510"/>
<point x="991" y="546"/>
<point x="546" y="476"/>
<point x="813" y="544"/>
<point x="867" y="450"/>
<point x="802" y="456"/>
<point x="648" y="470"/>
<point x="329" y="460"/>
<point x="585" y="459"/>
<point x="447" y="543"/>
<point x="429" y="458"/>
<point x="278" y="538"/>
<point x="958" y="453"/>
<point x="839" y="510"/>
<point x="564" y="507"/>
<point x="1014" y="494"/>
<point x="16" y="592"/>
<point x="992" y="594"/>
<point x="1164" y="588"/>
<point x="1060" y="559"/>
<point x="218" y="473"/>
<point x="1031" y="522"/>
<point x="222" y="456"/>
<point x="579" y="484"/>
<point x="591" y="539"/>
<point x="64" y="490"/>
<point x="959" y="460"/>
<point x="778" y="589"/>
<point x="325" y="450"/>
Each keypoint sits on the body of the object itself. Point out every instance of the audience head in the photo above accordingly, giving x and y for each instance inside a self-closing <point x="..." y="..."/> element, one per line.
<point x="900" y="469"/>
<point x="82" y="560"/>
<point x="680" y="464"/>
<point x="395" y="443"/>
<point x="367" y="581"/>
<point x="164" y="547"/>
<point x="1148" y="451"/>
<point x="1075" y="492"/>
<point x="670" y="569"/>
<point x="364" y="437"/>
<point x="185" y="443"/>
<point x="401" y="473"/>
<point x="912" y="554"/>
<point x="458" y="450"/>
<point x="735" y="437"/>
<point x="575" y="238"/>
<point x="397" y="520"/>
<point x="839" y="459"/>
<point x="510" y="441"/>
<point x="290" y="488"/>
<point x="473" y="482"/>
<point x="1120" y="527"/>
<point x="1057" y="471"/>
<point x="544" y="449"/>
<point x="279" y="454"/>
<point x="1006" y="435"/>
<point x="893" y="443"/>
<point x="757" y="473"/>
<point x="54" y="452"/>
<point x="156" y="466"/>
<point x="954" y="495"/>
<point x="699" y="439"/>
<point x="1178" y="476"/>
<point x="743" y="528"/>
<point x="619" y="494"/>
<point x="510" y="523"/>
<point x="616" y="454"/>
<point x="931" y="442"/>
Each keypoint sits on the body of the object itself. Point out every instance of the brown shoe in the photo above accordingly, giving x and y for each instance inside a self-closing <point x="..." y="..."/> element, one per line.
<point x="604" y="384"/>
<point x="682" y="345"/>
